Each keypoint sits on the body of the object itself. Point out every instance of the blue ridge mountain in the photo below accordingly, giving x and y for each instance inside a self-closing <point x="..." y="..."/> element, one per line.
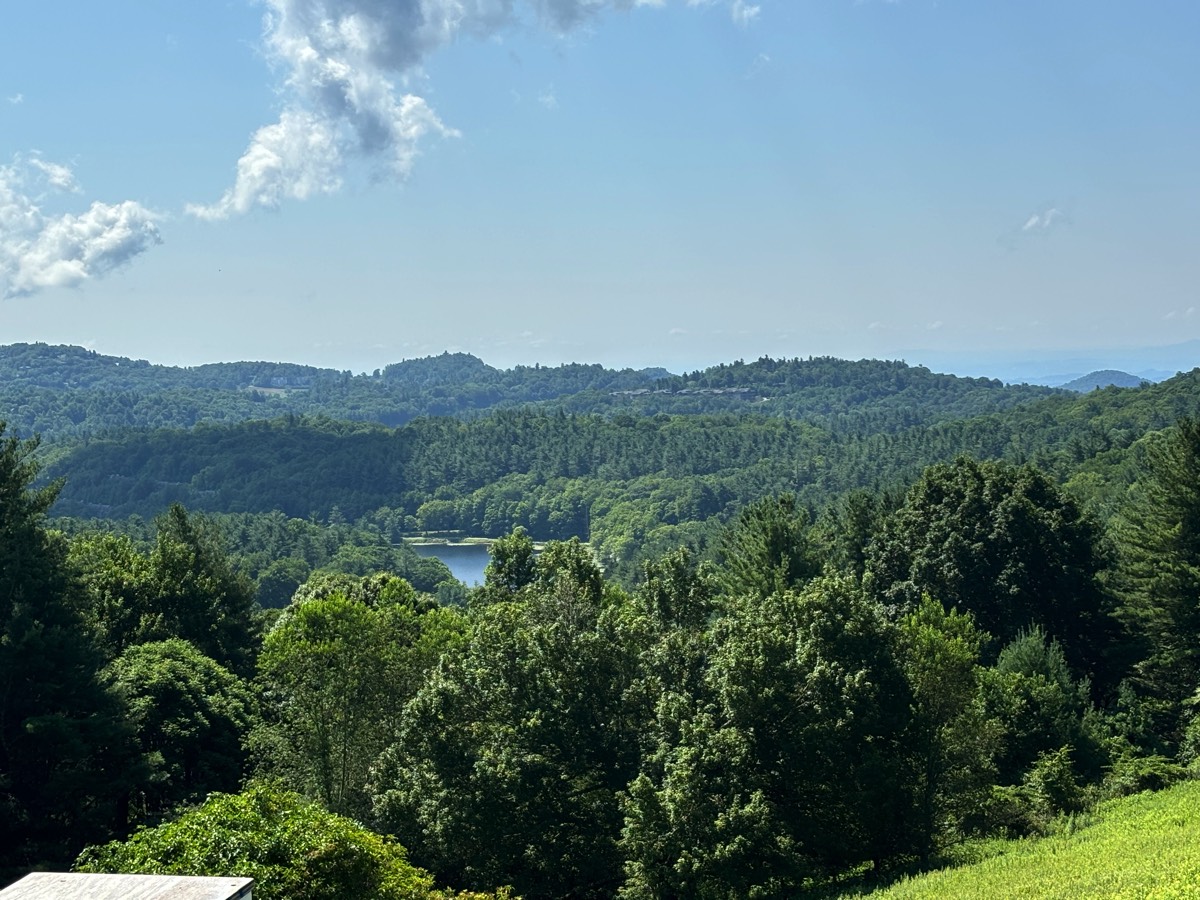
<point x="1102" y="379"/>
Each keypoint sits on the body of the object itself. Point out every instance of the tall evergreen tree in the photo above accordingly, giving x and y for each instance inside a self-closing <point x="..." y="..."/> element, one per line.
<point x="67" y="760"/>
<point x="1159" y="576"/>
<point x="1006" y="545"/>
<point x="198" y="596"/>
<point x="768" y="549"/>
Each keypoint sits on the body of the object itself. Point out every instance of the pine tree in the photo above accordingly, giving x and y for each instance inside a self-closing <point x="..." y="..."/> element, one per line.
<point x="66" y="758"/>
<point x="1159" y="536"/>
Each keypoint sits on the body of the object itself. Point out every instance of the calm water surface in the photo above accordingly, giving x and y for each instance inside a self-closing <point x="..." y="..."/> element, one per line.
<point x="466" y="561"/>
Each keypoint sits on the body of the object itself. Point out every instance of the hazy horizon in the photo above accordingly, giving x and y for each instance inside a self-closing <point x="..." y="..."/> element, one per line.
<point x="1152" y="363"/>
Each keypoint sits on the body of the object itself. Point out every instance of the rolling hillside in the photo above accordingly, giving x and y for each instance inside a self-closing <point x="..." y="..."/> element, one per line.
<point x="1145" y="846"/>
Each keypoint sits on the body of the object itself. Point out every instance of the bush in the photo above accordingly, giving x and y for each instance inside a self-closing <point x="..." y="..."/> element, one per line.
<point x="291" y="847"/>
<point x="1131" y="774"/>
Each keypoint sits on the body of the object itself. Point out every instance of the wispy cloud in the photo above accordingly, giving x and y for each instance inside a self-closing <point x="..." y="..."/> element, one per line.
<point x="16" y="99"/>
<point x="1043" y="221"/>
<point x="548" y="98"/>
<point x="38" y="251"/>
<point x="744" y="13"/>
<point x="1037" y="224"/>
<point x="757" y="65"/>
<point x="59" y="177"/>
<point x="345" y="64"/>
<point x="739" y="10"/>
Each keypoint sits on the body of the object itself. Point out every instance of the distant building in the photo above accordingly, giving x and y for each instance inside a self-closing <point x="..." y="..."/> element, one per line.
<point x="79" y="886"/>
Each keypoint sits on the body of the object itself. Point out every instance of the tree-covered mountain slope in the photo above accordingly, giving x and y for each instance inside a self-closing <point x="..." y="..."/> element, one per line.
<point x="1104" y="378"/>
<point x="72" y="392"/>
<point x="560" y="475"/>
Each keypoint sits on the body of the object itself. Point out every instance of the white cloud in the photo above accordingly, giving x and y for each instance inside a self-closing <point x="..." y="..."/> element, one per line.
<point x="294" y="158"/>
<point x="739" y="10"/>
<point x="744" y="13"/>
<point x="548" y="99"/>
<point x="760" y="62"/>
<point x="38" y="251"/>
<point x="1037" y="224"/>
<point x="1043" y="221"/>
<point x="16" y="99"/>
<point x="343" y="61"/>
<point x="59" y="177"/>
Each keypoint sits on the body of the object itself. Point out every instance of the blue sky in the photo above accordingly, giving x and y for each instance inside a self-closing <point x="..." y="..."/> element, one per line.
<point x="352" y="182"/>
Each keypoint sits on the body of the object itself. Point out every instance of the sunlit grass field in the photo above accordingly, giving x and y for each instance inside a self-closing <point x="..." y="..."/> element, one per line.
<point x="1145" y="847"/>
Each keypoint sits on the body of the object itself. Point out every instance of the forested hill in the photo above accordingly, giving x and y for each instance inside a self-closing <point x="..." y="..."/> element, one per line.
<point x="59" y="391"/>
<point x="614" y="479"/>
<point x="1101" y="379"/>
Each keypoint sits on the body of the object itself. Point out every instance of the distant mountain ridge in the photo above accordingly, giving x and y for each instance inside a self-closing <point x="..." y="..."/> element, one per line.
<point x="1102" y="379"/>
<point x="63" y="391"/>
<point x="1055" y="367"/>
<point x="559" y="474"/>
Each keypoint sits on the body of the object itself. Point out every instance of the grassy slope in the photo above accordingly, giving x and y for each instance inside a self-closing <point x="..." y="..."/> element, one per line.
<point x="1147" y="846"/>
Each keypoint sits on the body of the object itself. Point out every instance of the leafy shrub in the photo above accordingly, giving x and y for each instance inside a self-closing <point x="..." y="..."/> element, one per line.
<point x="1131" y="774"/>
<point x="291" y="847"/>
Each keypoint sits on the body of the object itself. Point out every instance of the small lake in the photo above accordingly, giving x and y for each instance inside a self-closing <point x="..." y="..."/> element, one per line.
<point x="465" y="561"/>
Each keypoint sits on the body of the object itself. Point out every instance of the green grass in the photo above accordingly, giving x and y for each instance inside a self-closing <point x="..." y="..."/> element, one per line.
<point x="1146" y="846"/>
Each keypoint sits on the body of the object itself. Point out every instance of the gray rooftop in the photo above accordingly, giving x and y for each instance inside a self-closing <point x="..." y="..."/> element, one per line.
<point x="77" y="886"/>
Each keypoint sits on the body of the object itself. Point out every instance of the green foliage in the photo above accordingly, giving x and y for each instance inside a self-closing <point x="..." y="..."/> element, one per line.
<point x="190" y="715"/>
<point x="61" y="391"/>
<point x="261" y="544"/>
<point x="119" y="584"/>
<point x="513" y="753"/>
<point x="848" y="525"/>
<point x="66" y="757"/>
<point x="335" y="672"/>
<point x="279" y="553"/>
<point x="636" y="486"/>
<point x="1050" y="744"/>
<point x="1146" y="846"/>
<point x="950" y="742"/>
<point x="749" y="728"/>
<point x="675" y="593"/>
<point x="1004" y="544"/>
<point x="198" y="596"/>
<point x="291" y="847"/>
<point x="768" y="550"/>
<point x="277" y="583"/>
<point x="568" y="569"/>
<point x="1052" y="785"/>
<point x="1159" y="532"/>
<point x="512" y="564"/>
<point x="789" y="770"/>
<point x="1132" y="774"/>
<point x="183" y="588"/>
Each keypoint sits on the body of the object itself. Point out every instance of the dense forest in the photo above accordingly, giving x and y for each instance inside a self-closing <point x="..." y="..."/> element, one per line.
<point x="58" y="391"/>
<point x="795" y="639"/>
<point x="634" y="485"/>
